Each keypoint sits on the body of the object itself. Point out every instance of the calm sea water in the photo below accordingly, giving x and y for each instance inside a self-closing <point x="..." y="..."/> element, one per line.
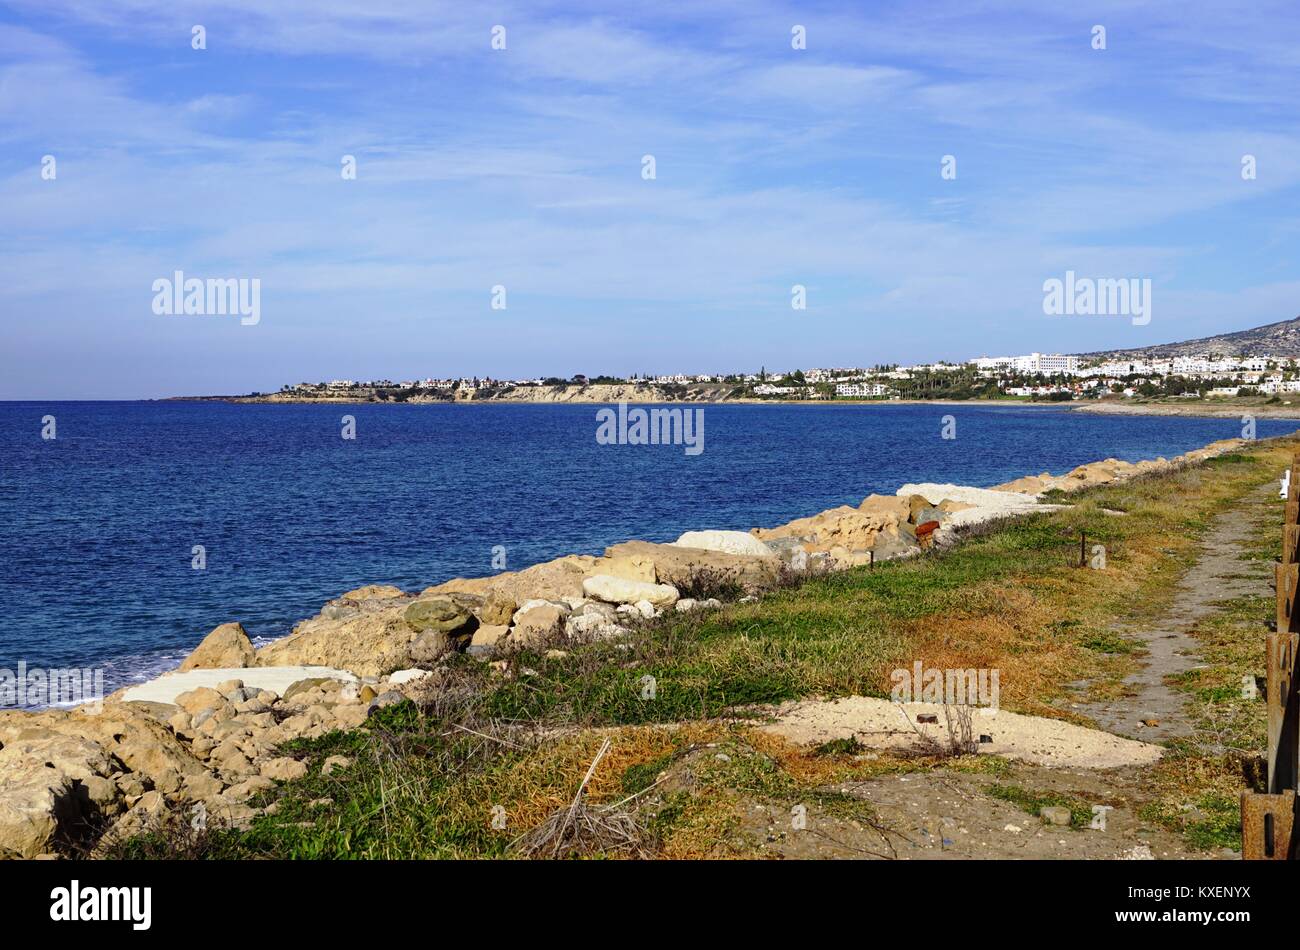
<point x="97" y="526"/>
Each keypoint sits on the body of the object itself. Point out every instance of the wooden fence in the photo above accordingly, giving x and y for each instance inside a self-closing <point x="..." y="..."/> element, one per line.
<point x="1267" y="818"/>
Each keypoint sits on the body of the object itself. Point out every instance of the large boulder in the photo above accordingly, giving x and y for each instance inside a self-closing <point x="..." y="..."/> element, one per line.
<point x="368" y="643"/>
<point x="51" y="786"/>
<point x="373" y="592"/>
<point x="1030" y="484"/>
<point x="528" y="605"/>
<point x="443" y="613"/>
<point x="890" y="506"/>
<point x="916" y="504"/>
<point x="195" y="701"/>
<point x="375" y="637"/>
<point x="35" y="802"/>
<point x="283" y="769"/>
<point x="1093" y="473"/>
<point x="632" y="567"/>
<point x="135" y="738"/>
<point x="539" y="626"/>
<point x="929" y="513"/>
<point x="888" y="546"/>
<point x="785" y="548"/>
<point x="728" y="542"/>
<point x="553" y="580"/>
<point x="593" y="626"/>
<point x="226" y="646"/>
<point x="852" y="529"/>
<point x="620" y="590"/>
<point x="683" y="567"/>
<point x="431" y="646"/>
<point x="370" y="597"/>
<point x="497" y="609"/>
<point x="487" y="638"/>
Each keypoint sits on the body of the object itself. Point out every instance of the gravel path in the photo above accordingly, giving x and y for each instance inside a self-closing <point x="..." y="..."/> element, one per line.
<point x="1219" y="574"/>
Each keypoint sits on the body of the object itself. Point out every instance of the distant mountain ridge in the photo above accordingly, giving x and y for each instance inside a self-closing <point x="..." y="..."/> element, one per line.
<point x="1272" y="339"/>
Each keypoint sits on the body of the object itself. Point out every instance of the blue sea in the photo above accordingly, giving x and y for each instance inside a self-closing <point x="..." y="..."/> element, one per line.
<point x="98" y="525"/>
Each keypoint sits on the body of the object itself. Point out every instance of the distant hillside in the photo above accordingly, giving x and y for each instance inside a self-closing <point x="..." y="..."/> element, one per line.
<point x="571" y="392"/>
<point x="1272" y="339"/>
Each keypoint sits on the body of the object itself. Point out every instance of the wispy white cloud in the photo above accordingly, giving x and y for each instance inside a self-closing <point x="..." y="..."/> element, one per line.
<point x="774" y="166"/>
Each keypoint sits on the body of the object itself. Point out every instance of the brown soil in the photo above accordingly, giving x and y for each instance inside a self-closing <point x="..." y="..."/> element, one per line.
<point x="949" y="814"/>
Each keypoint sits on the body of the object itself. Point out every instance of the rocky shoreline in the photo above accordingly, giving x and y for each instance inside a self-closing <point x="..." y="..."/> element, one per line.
<point x="206" y="737"/>
<point x="596" y="393"/>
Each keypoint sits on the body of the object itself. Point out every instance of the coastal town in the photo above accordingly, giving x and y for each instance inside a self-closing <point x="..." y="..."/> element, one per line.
<point x="1051" y="377"/>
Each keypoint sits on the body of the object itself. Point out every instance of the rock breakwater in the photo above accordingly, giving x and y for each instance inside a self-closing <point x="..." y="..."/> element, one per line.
<point x="208" y="736"/>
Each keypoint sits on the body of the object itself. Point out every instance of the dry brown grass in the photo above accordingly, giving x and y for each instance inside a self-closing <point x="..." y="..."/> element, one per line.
<point x="533" y="788"/>
<point x="1009" y="623"/>
<point x="1009" y="600"/>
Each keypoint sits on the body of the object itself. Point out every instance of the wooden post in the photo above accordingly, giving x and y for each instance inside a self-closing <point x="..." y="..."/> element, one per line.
<point x="1283" y="712"/>
<point x="1292" y="495"/>
<point x="1268" y="820"/>
<point x="1288" y="575"/>
<point x="1282" y="647"/>
<point x="1083" y="549"/>
<point x="1266" y="826"/>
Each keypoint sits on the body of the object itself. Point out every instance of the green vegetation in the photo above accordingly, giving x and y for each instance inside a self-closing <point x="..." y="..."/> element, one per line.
<point x="1109" y="642"/>
<point x="849" y="746"/>
<point x="1034" y="802"/>
<point x="1199" y="783"/>
<point x="430" y="782"/>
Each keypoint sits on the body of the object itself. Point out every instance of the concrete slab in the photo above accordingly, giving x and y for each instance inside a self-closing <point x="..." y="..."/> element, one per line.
<point x="277" y="679"/>
<point x="883" y="724"/>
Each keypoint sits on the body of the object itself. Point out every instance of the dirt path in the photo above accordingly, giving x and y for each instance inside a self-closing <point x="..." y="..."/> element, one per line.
<point x="1219" y="574"/>
<point x="948" y="814"/>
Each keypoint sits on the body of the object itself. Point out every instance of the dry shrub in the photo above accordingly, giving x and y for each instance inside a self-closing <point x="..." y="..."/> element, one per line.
<point x="580" y="830"/>
<point x="537" y="786"/>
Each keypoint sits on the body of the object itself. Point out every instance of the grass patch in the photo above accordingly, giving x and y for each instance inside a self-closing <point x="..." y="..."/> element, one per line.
<point x="642" y="775"/>
<point x="1109" y="642"/>
<point x="847" y="746"/>
<point x="1033" y="802"/>
<point x="1010" y="597"/>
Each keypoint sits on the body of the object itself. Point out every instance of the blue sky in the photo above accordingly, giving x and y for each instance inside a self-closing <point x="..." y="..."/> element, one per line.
<point x="522" y="167"/>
